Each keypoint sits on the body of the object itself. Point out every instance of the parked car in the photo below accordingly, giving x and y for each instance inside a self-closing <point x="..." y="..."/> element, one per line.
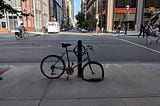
<point x="83" y="30"/>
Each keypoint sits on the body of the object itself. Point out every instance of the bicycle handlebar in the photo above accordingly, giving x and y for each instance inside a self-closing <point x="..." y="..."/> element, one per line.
<point x="84" y="48"/>
<point x="89" y="47"/>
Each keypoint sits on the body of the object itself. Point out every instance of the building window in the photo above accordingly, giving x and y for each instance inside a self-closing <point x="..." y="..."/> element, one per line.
<point x="152" y="3"/>
<point x="157" y="4"/>
<point x="120" y="3"/>
<point x="132" y="3"/>
<point x="3" y="24"/>
<point x="123" y="3"/>
<point x="149" y="3"/>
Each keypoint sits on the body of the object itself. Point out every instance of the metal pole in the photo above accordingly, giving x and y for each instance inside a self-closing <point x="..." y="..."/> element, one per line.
<point x="126" y="23"/>
<point x="97" y="16"/>
<point x="79" y="58"/>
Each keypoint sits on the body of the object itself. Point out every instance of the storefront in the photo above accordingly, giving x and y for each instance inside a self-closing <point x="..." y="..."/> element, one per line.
<point x="125" y="13"/>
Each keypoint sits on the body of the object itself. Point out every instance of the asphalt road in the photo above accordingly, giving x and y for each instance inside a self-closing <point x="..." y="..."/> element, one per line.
<point x="107" y="48"/>
<point x="132" y="78"/>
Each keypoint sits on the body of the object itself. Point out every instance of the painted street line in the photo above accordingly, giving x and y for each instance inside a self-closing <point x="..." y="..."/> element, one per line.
<point x="140" y="46"/>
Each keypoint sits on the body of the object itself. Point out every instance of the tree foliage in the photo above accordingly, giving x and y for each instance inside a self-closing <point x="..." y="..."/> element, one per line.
<point x="4" y="7"/>
<point x="80" y="17"/>
<point x="85" y="23"/>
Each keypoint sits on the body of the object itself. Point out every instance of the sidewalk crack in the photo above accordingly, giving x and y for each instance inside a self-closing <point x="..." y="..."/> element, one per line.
<point x="45" y="91"/>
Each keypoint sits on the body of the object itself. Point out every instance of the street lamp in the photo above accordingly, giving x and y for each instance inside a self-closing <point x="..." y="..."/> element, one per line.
<point x="126" y="23"/>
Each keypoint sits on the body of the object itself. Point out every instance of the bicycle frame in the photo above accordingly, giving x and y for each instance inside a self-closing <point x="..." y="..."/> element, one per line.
<point x="68" y="59"/>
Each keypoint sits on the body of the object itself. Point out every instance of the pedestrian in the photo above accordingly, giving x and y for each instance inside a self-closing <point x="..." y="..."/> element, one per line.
<point x="119" y="30"/>
<point x="142" y="28"/>
<point x="148" y="30"/>
<point x="158" y="33"/>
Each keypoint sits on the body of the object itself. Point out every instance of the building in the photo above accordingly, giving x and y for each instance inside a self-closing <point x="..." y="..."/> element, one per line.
<point x="36" y="14"/>
<point x="129" y="13"/>
<point x="55" y="11"/>
<point x="70" y="13"/>
<point x="64" y="14"/>
<point x="27" y="7"/>
<point x="83" y="6"/>
<point x="90" y="9"/>
<point x="11" y="21"/>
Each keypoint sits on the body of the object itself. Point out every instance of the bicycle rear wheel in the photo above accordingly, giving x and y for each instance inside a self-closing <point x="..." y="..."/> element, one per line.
<point x="18" y="36"/>
<point x="93" y="72"/>
<point x="52" y="66"/>
<point x="25" y="35"/>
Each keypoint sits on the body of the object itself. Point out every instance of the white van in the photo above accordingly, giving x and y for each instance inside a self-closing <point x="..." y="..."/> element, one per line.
<point x="53" y="27"/>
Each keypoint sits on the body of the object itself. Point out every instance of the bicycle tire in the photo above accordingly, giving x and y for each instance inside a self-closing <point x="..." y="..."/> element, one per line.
<point x="17" y="37"/>
<point x="52" y="66"/>
<point x="93" y="72"/>
<point x="25" y="35"/>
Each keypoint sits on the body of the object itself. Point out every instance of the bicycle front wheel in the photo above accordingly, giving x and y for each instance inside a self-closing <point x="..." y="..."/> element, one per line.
<point x="52" y="66"/>
<point x="93" y="72"/>
<point x="25" y="35"/>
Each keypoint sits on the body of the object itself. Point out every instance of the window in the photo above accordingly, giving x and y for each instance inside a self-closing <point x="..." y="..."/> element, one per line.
<point x="132" y="3"/>
<point x="152" y="3"/>
<point x="157" y="3"/>
<point x="3" y="24"/>
<point x="120" y="3"/>
<point x="149" y="3"/>
<point x="123" y="3"/>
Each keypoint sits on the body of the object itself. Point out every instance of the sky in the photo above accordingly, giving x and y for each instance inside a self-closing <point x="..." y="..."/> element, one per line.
<point x="77" y="6"/>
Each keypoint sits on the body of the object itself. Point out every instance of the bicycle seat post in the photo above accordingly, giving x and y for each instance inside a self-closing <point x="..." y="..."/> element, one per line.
<point x="65" y="45"/>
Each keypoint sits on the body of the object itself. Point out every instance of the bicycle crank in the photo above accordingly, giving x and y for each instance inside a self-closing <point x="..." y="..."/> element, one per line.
<point x="69" y="70"/>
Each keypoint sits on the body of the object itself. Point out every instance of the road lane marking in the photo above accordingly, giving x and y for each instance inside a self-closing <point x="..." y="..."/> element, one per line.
<point x="112" y="65"/>
<point x="117" y="65"/>
<point x="140" y="46"/>
<point x="107" y="65"/>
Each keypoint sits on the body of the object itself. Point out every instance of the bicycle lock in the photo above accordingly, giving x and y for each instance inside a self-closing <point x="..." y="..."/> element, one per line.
<point x="79" y="57"/>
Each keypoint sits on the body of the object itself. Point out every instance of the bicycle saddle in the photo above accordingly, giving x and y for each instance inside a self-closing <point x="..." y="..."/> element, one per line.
<point x="65" y="45"/>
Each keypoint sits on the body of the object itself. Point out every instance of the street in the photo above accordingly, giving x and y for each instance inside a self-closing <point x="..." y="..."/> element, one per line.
<point x="107" y="48"/>
<point x="131" y="76"/>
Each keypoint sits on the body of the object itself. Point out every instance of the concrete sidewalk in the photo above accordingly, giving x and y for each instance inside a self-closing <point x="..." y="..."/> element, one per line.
<point x="125" y="84"/>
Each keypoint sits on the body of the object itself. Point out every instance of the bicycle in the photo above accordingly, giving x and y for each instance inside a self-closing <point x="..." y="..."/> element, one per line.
<point x="53" y="66"/>
<point x="23" y="35"/>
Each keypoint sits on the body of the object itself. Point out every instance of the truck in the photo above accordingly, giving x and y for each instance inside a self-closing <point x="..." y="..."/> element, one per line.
<point x="53" y="27"/>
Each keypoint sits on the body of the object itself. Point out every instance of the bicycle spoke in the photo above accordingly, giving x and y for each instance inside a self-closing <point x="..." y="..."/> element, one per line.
<point x="52" y="66"/>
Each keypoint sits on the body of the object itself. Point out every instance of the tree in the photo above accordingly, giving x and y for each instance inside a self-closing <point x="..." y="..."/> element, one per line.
<point x="85" y="23"/>
<point x="4" y="7"/>
<point x="80" y="17"/>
